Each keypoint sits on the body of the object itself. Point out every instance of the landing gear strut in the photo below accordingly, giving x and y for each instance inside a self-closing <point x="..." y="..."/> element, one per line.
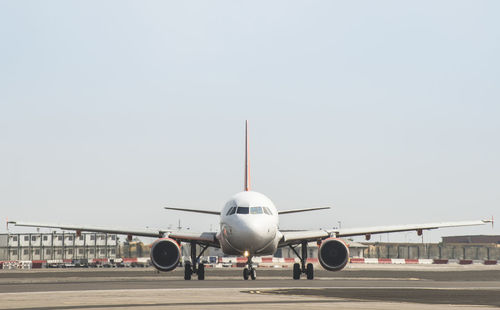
<point x="194" y="267"/>
<point x="250" y="271"/>
<point x="298" y="269"/>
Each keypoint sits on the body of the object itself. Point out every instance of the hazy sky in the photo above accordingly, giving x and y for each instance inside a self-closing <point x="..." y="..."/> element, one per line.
<point x="387" y="110"/>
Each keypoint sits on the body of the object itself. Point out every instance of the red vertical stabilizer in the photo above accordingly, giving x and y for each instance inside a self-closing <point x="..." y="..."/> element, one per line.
<point x="247" y="160"/>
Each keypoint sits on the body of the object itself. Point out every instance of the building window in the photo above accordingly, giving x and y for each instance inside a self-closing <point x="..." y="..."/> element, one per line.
<point x="103" y="252"/>
<point x="113" y="237"/>
<point x="26" y="238"/>
<point x="80" y="251"/>
<point x="14" y="252"/>
<point x="45" y="238"/>
<point x="14" y="238"/>
<point x="33" y="238"/>
<point x="59" y="238"/>
<point x="70" y="238"/>
<point x="25" y="252"/>
<point x="70" y="251"/>
<point x="92" y="237"/>
<point x="59" y="252"/>
<point x="113" y="251"/>
<point x="48" y="251"/>
<point x="37" y="252"/>
<point x="80" y="238"/>
<point x="91" y="251"/>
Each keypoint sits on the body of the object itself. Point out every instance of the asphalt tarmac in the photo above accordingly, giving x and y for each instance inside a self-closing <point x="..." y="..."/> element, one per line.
<point x="358" y="286"/>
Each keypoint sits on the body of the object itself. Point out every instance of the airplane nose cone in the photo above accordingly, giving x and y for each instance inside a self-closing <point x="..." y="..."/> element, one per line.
<point x="252" y="235"/>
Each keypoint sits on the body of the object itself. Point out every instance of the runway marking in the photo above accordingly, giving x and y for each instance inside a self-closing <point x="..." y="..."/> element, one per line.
<point x="50" y="280"/>
<point x="184" y="304"/>
<point x="261" y="290"/>
<point x="453" y="296"/>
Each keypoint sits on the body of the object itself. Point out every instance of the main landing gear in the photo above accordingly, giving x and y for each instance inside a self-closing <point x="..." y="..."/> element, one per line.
<point x="250" y="271"/>
<point x="193" y="267"/>
<point x="298" y="269"/>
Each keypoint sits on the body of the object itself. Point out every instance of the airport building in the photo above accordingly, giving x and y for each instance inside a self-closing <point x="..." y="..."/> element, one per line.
<point x="472" y="247"/>
<point x="57" y="246"/>
<point x="70" y="246"/>
<point x="477" y="239"/>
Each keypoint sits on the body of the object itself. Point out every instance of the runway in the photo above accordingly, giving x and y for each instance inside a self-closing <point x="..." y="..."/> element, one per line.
<point x="367" y="287"/>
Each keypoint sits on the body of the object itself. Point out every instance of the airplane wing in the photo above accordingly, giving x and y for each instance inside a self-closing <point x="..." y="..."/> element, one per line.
<point x="133" y="232"/>
<point x="347" y="232"/>
<point x="206" y="238"/>
<point x="294" y="237"/>
<point x="301" y="210"/>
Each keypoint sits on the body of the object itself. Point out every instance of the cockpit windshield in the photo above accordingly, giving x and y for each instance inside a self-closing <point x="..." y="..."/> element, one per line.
<point x="249" y="210"/>
<point x="231" y="211"/>
<point x="256" y="210"/>
<point x="267" y="211"/>
<point x="242" y="210"/>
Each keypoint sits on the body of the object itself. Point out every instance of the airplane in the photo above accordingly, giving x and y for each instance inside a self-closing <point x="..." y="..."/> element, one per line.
<point x="249" y="227"/>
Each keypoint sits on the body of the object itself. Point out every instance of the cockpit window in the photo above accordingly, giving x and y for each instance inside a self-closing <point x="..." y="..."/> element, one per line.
<point x="231" y="211"/>
<point x="243" y="210"/>
<point x="267" y="211"/>
<point x="256" y="210"/>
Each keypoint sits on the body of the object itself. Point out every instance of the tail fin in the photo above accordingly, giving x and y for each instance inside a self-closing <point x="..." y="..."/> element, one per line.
<point x="247" y="160"/>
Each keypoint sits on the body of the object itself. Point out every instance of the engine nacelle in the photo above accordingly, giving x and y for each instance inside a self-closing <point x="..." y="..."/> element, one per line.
<point x="333" y="254"/>
<point x="165" y="254"/>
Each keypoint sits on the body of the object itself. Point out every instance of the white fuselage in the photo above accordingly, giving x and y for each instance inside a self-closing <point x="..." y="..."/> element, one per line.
<point x="249" y="225"/>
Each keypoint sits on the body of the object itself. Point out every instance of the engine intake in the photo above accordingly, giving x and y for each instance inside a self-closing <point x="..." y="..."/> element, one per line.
<point x="333" y="254"/>
<point x="165" y="254"/>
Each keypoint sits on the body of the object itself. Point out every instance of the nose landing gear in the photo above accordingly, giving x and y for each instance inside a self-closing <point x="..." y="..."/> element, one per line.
<point x="298" y="269"/>
<point x="250" y="271"/>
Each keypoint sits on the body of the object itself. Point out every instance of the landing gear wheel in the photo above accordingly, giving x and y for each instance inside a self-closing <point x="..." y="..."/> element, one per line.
<point x="296" y="271"/>
<point x="245" y="274"/>
<point x="253" y="274"/>
<point x="310" y="271"/>
<point x="187" y="271"/>
<point x="201" y="272"/>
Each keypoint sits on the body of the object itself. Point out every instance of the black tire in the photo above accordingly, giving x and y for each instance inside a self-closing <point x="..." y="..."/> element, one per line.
<point x="253" y="274"/>
<point x="310" y="271"/>
<point x="296" y="271"/>
<point x="246" y="273"/>
<point x="187" y="271"/>
<point x="201" y="272"/>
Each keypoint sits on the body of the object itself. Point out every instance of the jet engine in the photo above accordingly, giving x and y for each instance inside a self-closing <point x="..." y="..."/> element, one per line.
<point x="333" y="254"/>
<point x="165" y="254"/>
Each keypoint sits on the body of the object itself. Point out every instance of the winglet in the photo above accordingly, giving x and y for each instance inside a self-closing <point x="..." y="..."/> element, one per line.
<point x="247" y="160"/>
<point x="492" y="221"/>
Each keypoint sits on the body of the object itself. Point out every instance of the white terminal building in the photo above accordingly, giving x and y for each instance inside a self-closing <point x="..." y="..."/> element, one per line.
<point x="57" y="246"/>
